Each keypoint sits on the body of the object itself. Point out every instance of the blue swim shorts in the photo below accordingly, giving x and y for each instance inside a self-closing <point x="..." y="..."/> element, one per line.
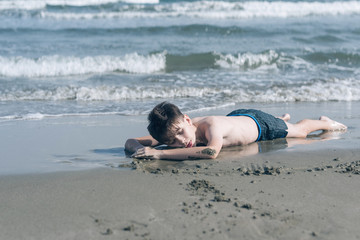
<point x="269" y="126"/>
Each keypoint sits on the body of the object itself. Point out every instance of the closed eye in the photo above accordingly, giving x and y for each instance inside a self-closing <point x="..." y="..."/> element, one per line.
<point x="175" y="143"/>
<point x="180" y="131"/>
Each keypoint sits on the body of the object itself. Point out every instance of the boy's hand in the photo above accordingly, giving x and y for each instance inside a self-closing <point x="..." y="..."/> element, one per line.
<point x="146" y="152"/>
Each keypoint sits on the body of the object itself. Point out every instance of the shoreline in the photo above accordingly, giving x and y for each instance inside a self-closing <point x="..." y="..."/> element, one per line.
<point x="87" y="142"/>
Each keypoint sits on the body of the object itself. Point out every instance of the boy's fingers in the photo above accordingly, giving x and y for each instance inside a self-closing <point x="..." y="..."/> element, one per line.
<point x="141" y="153"/>
<point x="138" y="152"/>
<point x="136" y="155"/>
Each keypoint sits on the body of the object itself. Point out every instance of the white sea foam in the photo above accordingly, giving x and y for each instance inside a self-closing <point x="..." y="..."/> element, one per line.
<point x="300" y="9"/>
<point x="247" y="60"/>
<point x="332" y="89"/>
<point x="34" y="116"/>
<point x="221" y="10"/>
<point x="29" y="116"/>
<point x="206" y="98"/>
<point x="106" y="93"/>
<point x="48" y="66"/>
<point x="141" y="1"/>
<point x="39" y="116"/>
<point x="41" y="4"/>
<point x="269" y="60"/>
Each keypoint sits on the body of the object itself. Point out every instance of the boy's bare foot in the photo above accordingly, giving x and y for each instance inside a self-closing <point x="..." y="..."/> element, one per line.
<point x="334" y="126"/>
<point x="285" y="117"/>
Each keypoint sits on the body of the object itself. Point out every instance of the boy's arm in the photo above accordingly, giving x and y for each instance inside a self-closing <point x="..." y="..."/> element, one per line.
<point x="178" y="153"/>
<point x="210" y="151"/>
<point x="133" y="144"/>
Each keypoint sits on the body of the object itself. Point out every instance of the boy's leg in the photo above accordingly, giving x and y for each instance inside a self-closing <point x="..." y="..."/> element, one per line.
<point x="306" y="126"/>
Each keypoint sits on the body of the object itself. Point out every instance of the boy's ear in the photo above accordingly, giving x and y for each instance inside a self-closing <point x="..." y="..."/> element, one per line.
<point x="187" y="119"/>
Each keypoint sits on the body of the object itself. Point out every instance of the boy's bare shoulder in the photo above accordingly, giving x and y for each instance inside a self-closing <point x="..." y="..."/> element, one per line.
<point x="210" y="121"/>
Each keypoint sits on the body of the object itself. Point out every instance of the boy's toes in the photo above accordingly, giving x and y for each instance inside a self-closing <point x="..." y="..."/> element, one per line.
<point x="286" y="117"/>
<point x="338" y="126"/>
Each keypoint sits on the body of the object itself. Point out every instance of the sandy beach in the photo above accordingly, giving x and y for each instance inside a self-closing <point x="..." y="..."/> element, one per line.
<point x="294" y="189"/>
<point x="78" y="78"/>
<point x="204" y="200"/>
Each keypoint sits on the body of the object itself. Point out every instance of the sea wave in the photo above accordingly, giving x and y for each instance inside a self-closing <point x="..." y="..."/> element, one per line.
<point x="105" y="93"/>
<point x="210" y="9"/>
<point x="188" y="30"/>
<point x="134" y="63"/>
<point x="50" y="66"/>
<point x="333" y="89"/>
<point x="54" y="66"/>
<point x="42" y="4"/>
<point x="247" y="60"/>
<point x="39" y="116"/>
<point x="341" y="58"/>
<point x="319" y="90"/>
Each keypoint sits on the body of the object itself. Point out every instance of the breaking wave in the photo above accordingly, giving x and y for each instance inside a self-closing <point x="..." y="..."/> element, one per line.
<point x="316" y="90"/>
<point x="50" y="66"/>
<point x="36" y="4"/>
<point x="134" y="63"/>
<point x="196" y="9"/>
<point x="54" y="66"/>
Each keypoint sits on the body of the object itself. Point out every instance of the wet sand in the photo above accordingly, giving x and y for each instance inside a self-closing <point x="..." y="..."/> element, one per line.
<point x="199" y="200"/>
<point x="293" y="189"/>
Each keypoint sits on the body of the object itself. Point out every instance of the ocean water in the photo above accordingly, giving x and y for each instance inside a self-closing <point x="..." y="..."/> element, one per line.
<point x="97" y="57"/>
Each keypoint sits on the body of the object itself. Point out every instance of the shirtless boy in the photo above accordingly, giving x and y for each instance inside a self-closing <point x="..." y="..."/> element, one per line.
<point x="203" y="137"/>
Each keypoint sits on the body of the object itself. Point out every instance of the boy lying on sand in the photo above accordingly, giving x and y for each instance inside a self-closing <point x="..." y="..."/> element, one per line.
<point x="203" y="137"/>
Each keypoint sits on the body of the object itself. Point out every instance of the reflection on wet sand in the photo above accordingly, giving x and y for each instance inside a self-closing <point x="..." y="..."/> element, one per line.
<point x="275" y="145"/>
<point x="232" y="153"/>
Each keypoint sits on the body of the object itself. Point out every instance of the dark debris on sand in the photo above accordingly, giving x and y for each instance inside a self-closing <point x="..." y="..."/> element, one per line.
<point x="201" y="187"/>
<point x="350" y="167"/>
<point x="260" y="170"/>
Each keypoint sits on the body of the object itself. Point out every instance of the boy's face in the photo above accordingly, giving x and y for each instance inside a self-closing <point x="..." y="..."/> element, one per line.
<point x="185" y="134"/>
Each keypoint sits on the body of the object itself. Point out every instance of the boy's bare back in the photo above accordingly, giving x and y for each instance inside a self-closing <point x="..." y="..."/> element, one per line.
<point x="234" y="130"/>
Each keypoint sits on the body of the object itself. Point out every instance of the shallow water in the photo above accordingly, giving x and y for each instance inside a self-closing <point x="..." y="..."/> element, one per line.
<point x="87" y="142"/>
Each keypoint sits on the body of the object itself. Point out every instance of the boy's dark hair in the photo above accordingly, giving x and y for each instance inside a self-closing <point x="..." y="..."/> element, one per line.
<point x="162" y="120"/>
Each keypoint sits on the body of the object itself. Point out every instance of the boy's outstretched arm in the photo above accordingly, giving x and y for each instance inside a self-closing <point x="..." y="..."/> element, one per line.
<point x="211" y="151"/>
<point x="133" y="144"/>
